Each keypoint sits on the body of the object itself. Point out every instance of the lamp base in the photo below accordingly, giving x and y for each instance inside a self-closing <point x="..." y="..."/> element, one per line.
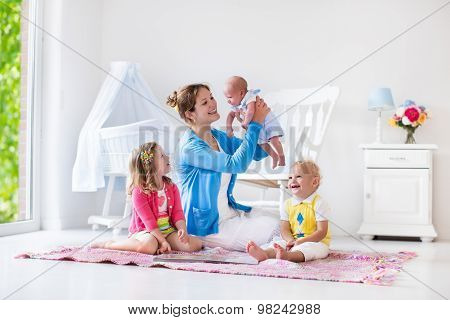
<point x="378" y="130"/>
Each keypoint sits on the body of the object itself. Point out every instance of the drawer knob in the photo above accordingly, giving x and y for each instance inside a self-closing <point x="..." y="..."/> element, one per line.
<point x="397" y="158"/>
<point x="367" y="195"/>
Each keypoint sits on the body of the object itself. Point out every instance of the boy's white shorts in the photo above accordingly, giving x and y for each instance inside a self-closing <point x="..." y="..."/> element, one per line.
<point x="311" y="250"/>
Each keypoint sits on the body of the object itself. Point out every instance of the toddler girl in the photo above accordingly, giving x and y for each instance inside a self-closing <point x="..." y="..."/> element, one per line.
<point x="157" y="223"/>
<point x="242" y="103"/>
<point x="304" y="224"/>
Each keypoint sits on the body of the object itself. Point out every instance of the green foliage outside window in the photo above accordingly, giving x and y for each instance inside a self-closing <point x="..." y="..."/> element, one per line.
<point x="9" y="109"/>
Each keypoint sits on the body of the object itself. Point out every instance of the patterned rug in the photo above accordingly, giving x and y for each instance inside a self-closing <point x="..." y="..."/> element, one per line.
<point x="356" y="267"/>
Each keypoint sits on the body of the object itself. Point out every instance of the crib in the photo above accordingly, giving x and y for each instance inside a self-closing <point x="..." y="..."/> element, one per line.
<point x="113" y="128"/>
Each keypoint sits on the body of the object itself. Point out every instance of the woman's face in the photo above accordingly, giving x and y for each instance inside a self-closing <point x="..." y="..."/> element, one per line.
<point x="205" y="109"/>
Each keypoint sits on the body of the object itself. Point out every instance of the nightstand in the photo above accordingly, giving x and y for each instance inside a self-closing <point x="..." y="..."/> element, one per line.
<point x="398" y="191"/>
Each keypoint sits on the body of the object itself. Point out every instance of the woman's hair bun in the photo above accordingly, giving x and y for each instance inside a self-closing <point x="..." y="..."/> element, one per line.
<point x="172" y="100"/>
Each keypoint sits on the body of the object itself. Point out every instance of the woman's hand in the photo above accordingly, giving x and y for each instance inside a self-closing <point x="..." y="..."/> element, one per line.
<point x="183" y="236"/>
<point x="165" y="247"/>
<point x="261" y="110"/>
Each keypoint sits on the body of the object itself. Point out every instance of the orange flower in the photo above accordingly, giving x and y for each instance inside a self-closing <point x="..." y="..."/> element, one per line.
<point x="422" y="118"/>
<point x="392" y="122"/>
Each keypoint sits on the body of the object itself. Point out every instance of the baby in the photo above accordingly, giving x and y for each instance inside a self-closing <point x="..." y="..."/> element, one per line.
<point x="242" y="101"/>
<point x="304" y="224"/>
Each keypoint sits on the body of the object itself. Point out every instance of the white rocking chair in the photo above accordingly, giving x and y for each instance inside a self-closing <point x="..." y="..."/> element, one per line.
<point x="304" y="115"/>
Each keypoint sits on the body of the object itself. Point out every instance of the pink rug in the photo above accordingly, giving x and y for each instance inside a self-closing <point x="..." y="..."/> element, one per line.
<point x="358" y="267"/>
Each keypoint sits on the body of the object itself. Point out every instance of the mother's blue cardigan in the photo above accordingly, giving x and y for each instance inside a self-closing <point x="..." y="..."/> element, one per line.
<point x="200" y="170"/>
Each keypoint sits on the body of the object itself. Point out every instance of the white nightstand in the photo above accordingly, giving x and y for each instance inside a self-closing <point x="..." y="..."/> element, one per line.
<point x="398" y="191"/>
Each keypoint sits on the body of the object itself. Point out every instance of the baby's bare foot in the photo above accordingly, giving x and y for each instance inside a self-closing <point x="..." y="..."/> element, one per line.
<point x="282" y="161"/>
<point x="275" y="159"/>
<point x="280" y="252"/>
<point x="256" y="252"/>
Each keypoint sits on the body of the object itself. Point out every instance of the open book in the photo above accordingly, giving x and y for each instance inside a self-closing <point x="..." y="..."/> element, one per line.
<point x="207" y="257"/>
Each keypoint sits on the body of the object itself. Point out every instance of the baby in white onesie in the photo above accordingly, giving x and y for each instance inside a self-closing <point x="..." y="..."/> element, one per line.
<point x="242" y="101"/>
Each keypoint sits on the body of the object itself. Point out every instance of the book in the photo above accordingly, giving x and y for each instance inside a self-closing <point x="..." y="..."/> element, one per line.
<point x="207" y="258"/>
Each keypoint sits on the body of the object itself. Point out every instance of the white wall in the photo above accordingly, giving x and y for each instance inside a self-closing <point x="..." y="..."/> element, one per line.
<point x="70" y="85"/>
<point x="288" y="44"/>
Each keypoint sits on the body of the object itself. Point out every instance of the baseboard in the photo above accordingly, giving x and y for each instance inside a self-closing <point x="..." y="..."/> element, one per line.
<point x="63" y="223"/>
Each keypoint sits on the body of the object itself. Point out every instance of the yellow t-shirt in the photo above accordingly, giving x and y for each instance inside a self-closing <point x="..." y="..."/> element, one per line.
<point x="303" y="216"/>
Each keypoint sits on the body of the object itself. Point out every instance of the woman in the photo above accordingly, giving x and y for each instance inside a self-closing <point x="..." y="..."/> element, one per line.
<point x="208" y="162"/>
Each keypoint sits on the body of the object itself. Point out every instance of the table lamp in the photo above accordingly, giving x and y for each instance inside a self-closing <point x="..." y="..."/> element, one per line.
<point x="380" y="99"/>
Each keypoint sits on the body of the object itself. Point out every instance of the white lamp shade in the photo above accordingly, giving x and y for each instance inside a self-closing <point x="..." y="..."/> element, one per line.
<point x="380" y="99"/>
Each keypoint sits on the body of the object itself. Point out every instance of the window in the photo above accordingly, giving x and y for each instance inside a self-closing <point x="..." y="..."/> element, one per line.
<point x="18" y="72"/>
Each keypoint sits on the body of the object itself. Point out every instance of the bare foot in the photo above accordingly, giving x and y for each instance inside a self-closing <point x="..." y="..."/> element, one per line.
<point x="282" y="161"/>
<point x="256" y="252"/>
<point x="280" y="252"/>
<point x="275" y="159"/>
<point x="101" y="244"/>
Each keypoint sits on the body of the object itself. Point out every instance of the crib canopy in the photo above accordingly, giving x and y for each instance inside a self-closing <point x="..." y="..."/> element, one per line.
<point x="124" y="98"/>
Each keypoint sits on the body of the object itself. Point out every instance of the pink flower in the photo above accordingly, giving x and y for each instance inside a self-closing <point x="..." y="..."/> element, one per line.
<point x="412" y="114"/>
<point x="400" y="112"/>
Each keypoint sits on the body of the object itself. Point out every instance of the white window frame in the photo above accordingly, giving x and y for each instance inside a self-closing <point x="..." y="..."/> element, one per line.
<point x="34" y="85"/>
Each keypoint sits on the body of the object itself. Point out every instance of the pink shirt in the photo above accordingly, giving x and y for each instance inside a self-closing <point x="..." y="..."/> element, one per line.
<point x="145" y="208"/>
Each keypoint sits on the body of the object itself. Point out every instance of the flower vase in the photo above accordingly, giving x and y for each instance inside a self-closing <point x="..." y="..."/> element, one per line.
<point x="410" y="135"/>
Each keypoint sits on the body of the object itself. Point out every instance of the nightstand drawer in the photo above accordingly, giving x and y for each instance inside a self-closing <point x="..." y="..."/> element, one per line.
<point x="397" y="158"/>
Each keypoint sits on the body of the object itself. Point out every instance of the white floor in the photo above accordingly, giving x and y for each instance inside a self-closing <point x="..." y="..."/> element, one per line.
<point x="425" y="277"/>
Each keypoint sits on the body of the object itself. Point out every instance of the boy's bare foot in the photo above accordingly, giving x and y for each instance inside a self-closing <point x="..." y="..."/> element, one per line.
<point x="280" y="252"/>
<point x="275" y="159"/>
<point x="282" y="161"/>
<point x="256" y="252"/>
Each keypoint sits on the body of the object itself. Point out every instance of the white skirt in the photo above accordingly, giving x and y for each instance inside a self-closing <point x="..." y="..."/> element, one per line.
<point x="259" y="225"/>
